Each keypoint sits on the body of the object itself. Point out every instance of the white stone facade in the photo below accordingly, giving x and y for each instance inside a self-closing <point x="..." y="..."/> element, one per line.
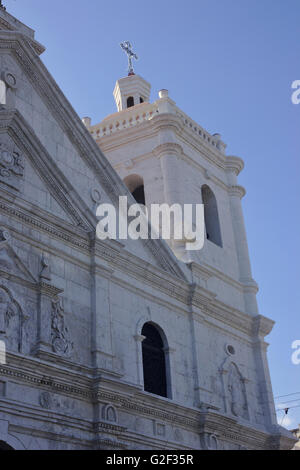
<point x="72" y="307"/>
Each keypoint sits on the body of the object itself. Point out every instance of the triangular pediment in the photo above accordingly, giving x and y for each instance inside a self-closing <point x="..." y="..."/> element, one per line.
<point x="63" y="186"/>
<point x="31" y="173"/>
<point x="10" y="263"/>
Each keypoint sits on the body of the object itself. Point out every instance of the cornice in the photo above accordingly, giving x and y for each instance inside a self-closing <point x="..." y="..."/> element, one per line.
<point x="167" y="121"/>
<point x="38" y="48"/>
<point x="143" y="404"/>
<point x="262" y="326"/>
<point x="234" y="164"/>
<point x="237" y="191"/>
<point x="226" y="428"/>
<point x="45" y="222"/>
<point x="167" y="148"/>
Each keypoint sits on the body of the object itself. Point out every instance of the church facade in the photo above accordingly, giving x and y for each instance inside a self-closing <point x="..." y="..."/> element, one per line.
<point x="121" y="344"/>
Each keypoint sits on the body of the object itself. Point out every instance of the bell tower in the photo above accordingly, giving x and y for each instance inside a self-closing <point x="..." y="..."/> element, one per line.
<point x="131" y="91"/>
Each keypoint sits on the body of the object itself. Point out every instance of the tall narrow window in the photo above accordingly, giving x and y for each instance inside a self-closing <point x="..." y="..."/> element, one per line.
<point x="211" y="216"/>
<point x="135" y="184"/>
<point x="130" y="102"/>
<point x="154" y="361"/>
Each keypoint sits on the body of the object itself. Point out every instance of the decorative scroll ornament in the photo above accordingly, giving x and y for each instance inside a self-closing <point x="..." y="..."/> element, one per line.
<point x="11" y="167"/>
<point x="61" y="342"/>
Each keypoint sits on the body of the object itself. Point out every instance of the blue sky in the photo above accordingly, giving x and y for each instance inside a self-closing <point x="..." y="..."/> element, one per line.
<point x="229" y="64"/>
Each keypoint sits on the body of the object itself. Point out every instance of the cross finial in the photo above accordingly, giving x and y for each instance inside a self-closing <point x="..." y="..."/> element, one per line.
<point x="127" y="48"/>
<point x="2" y="6"/>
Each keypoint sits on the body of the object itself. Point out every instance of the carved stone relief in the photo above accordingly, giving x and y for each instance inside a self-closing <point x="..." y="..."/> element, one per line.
<point x="11" y="321"/>
<point x="178" y="436"/>
<point x="60" y="337"/>
<point x="51" y="401"/>
<point x="109" y="413"/>
<point x="11" y="166"/>
<point x="7" y="310"/>
<point x="237" y="393"/>
<point x="209" y="441"/>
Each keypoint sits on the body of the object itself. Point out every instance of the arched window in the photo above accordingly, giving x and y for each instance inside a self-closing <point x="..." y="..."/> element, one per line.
<point x="141" y="100"/>
<point x="135" y="184"/>
<point x="211" y="216"/>
<point x="130" y="102"/>
<point x="154" y="361"/>
<point x="139" y="194"/>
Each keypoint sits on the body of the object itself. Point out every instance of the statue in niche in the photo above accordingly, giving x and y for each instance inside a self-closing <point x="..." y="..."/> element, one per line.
<point x="111" y="414"/>
<point x="61" y="343"/>
<point x="237" y="393"/>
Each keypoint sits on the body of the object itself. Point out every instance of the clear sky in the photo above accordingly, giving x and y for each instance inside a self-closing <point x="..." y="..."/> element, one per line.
<point x="229" y="64"/>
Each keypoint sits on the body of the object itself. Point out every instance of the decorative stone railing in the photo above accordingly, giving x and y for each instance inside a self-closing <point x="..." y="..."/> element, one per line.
<point x="213" y="140"/>
<point x="144" y="112"/>
<point x="124" y="120"/>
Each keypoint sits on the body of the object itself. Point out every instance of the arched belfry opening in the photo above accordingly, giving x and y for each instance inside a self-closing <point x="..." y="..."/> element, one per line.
<point x="154" y="361"/>
<point x="135" y="184"/>
<point x="211" y="216"/>
<point x="130" y="102"/>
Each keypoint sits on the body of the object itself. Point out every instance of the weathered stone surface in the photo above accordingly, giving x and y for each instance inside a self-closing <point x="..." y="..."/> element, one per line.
<point x="72" y="308"/>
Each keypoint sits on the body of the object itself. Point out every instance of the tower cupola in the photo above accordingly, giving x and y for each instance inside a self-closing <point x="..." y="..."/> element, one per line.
<point x="130" y="91"/>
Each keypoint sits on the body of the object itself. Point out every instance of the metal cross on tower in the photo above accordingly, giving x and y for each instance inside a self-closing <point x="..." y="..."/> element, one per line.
<point x="127" y="48"/>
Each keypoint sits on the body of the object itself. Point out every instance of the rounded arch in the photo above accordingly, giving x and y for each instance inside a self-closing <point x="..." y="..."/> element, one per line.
<point x="135" y="184"/>
<point x="10" y="442"/>
<point x="155" y="363"/>
<point x="211" y="216"/>
<point x="130" y="101"/>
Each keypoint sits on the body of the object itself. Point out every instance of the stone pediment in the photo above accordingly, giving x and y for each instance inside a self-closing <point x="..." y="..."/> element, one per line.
<point x="60" y="187"/>
<point x="22" y="153"/>
<point x="10" y="263"/>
